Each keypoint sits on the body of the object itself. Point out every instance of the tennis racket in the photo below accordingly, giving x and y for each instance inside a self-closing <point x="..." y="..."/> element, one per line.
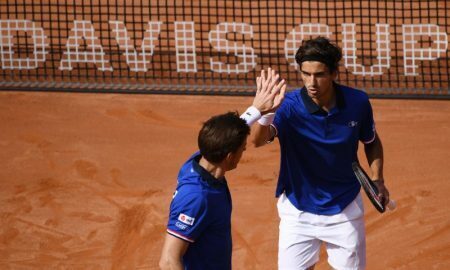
<point x="371" y="189"/>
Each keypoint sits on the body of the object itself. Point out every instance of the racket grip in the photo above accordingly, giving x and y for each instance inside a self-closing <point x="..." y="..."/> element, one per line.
<point x="391" y="205"/>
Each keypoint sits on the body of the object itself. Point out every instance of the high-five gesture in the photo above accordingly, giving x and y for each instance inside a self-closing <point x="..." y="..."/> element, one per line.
<point x="269" y="91"/>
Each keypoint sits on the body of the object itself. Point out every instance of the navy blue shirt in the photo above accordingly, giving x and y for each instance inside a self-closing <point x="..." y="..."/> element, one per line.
<point x="200" y="213"/>
<point x="318" y="148"/>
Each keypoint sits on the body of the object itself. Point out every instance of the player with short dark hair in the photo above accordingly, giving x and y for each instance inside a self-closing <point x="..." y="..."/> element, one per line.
<point x="318" y="128"/>
<point x="199" y="226"/>
<point x="221" y="135"/>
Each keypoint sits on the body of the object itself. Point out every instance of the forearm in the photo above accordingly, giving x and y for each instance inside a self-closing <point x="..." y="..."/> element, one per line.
<point x="172" y="253"/>
<point x="262" y="134"/>
<point x="170" y="263"/>
<point x="374" y="154"/>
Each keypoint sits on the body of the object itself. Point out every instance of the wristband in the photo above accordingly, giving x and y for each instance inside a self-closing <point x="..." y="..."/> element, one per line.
<point x="251" y="115"/>
<point x="266" y="119"/>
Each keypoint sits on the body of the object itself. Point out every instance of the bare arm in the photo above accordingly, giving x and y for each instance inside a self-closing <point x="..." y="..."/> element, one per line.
<point x="374" y="154"/>
<point x="172" y="253"/>
<point x="269" y="96"/>
<point x="263" y="134"/>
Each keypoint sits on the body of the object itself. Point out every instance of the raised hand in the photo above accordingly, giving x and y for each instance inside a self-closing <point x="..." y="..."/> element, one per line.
<point x="269" y="91"/>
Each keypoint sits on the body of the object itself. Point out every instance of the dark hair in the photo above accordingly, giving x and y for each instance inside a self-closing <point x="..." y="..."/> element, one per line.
<point x="222" y="134"/>
<point x="319" y="49"/>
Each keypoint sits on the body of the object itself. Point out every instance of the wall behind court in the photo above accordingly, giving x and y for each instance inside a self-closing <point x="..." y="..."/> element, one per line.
<point x="390" y="48"/>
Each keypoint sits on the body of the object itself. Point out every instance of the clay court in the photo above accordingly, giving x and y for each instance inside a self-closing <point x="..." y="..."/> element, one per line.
<point x="87" y="180"/>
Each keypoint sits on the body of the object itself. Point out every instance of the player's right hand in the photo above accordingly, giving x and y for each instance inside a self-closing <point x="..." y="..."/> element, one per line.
<point x="270" y="91"/>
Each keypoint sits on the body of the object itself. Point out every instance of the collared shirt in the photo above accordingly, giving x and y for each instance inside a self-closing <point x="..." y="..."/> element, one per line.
<point x="200" y="213"/>
<point x="318" y="148"/>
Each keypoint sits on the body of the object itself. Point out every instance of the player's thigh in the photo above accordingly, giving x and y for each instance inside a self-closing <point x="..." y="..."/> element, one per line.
<point x="346" y="242"/>
<point x="345" y="253"/>
<point x="297" y="247"/>
<point x="297" y="252"/>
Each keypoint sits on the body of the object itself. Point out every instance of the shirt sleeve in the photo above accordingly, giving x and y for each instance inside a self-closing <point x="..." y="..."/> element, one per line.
<point x="187" y="217"/>
<point x="367" y="132"/>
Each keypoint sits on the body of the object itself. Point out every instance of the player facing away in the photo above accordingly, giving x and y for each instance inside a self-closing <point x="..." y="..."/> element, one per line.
<point x="199" y="226"/>
<point x="318" y="128"/>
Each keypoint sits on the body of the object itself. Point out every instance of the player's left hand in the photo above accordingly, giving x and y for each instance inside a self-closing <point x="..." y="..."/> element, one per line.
<point x="383" y="192"/>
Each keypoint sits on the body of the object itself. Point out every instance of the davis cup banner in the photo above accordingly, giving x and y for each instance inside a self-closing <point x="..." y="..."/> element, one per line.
<point x="220" y="46"/>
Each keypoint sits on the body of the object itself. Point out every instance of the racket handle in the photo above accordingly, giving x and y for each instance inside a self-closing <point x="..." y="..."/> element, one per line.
<point x="391" y="205"/>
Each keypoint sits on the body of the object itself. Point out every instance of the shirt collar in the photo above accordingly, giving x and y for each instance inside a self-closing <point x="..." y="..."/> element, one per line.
<point x="206" y="176"/>
<point x="312" y="107"/>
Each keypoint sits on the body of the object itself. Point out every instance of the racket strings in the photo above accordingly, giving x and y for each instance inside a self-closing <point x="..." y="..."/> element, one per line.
<point x="367" y="186"/>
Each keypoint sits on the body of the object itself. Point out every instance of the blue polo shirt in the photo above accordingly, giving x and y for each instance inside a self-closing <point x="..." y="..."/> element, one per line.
<point x="318" y="148"/>
<point x="200" y="213"/>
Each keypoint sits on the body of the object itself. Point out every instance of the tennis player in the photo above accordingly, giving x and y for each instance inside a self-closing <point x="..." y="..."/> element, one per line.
<point x="199" y="226"/>
<point x="318" y="128"/>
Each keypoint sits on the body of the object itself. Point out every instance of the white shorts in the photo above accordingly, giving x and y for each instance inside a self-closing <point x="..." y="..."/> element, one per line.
<point x="302" y="233"/>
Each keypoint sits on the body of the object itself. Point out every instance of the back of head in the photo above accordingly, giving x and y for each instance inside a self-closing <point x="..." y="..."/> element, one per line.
<point x="319" y="49"/>
<point x="222" y="134"/>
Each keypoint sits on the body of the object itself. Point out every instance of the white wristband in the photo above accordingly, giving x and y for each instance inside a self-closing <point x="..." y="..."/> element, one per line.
<point x="251" y="115"/>
<point x="266" y="119"/>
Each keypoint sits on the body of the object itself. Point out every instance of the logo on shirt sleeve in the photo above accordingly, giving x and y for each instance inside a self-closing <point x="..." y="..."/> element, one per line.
<point x="186" y="219"/>
<point x="181" y="226"/>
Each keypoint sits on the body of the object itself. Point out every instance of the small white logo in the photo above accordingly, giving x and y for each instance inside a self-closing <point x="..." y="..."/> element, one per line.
<point x="181" y="226"/>
<point x="175" y="194"/>
<point x="186" y="219"/>
<point x="352" y="124"/>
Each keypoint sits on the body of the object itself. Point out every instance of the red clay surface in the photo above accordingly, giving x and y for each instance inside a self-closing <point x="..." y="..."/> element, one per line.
<point x="86" y="181"/>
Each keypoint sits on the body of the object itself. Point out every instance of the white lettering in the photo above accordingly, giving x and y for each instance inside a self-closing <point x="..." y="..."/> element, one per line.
<point x="7" y="31"/>
<point x="349" y="50"/>
<point x="185" y="47"/>
<point x="411" y="50"/>
<point x="220" y="43"/>
<point x="84" y="30"/>
<point x="298" y="34"/>
<point x="137" y="62"/>
<point x="181" y="225"/>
